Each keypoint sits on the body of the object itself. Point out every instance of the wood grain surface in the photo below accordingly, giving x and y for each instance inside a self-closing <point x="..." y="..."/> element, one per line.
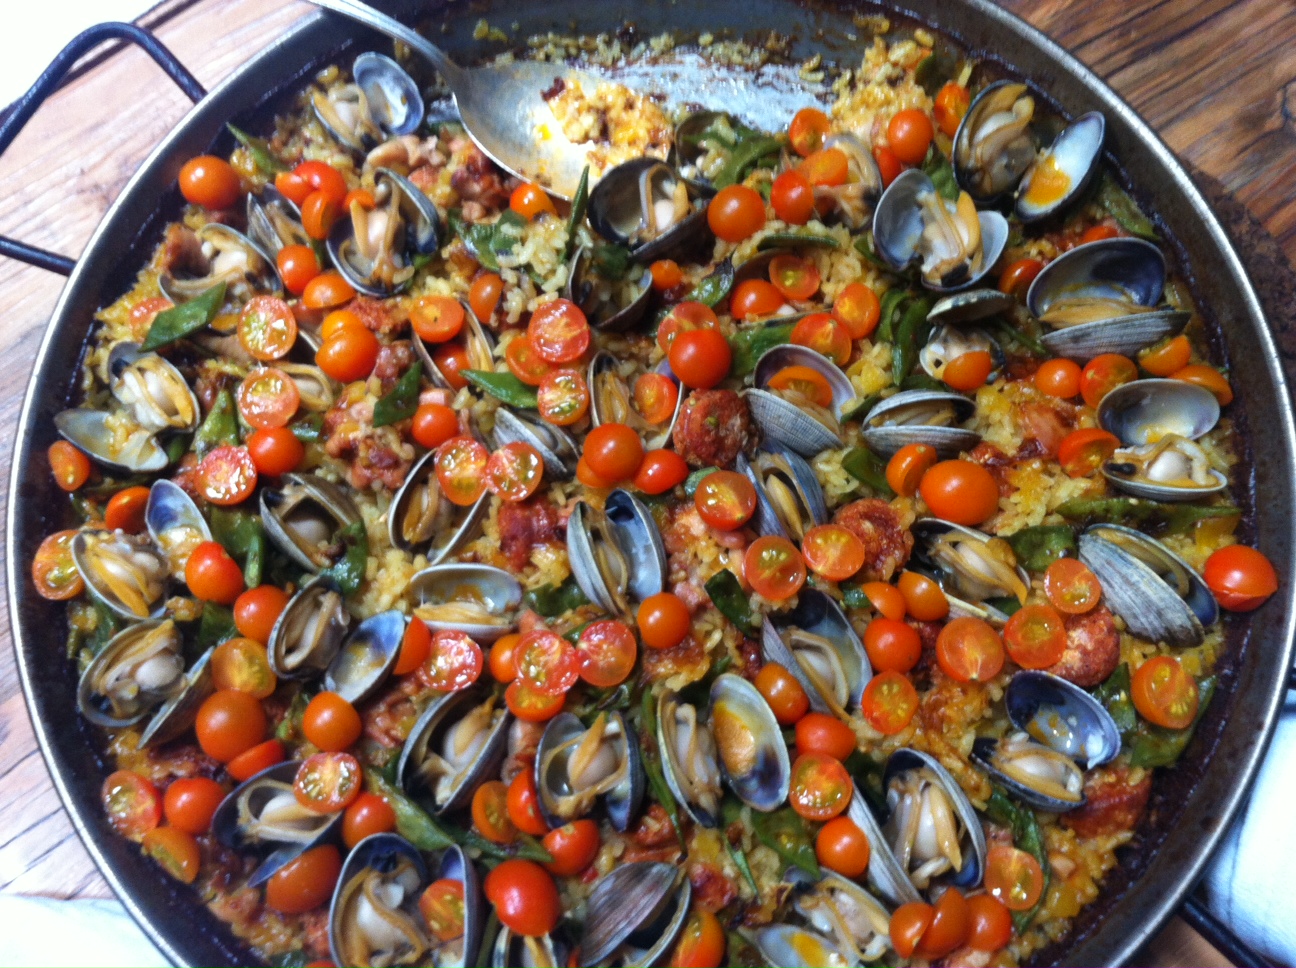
<point x="1216" y="78"/>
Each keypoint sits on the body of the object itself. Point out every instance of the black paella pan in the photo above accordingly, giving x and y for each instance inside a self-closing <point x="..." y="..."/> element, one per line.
<point x="1190" y="808"/>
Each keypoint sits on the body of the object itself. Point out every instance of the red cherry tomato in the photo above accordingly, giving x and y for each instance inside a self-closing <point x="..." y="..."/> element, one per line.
<point x="613" y="451"/>
<point x="821" y="733"/>
<point x="909" y="135"/>
<point x="1103" y="374"/>
<point x="327" y="290"/>
<point x="559" y="331"/>
<point x="527" y="704"/>
<point x="416" y="646"/>
<point x="243" y="664"/>
<point x="793" y="276"/>
<point x="968" y="371"/>
<point x="792" y="198"/>
<point x="368" y="815"/>
<point x="890" y="702"/>
<point x="437" y="319"/>
<point x="755" y="298"/>
<point x="827" y="166"/>
<point x="454" y="661"/>
<point x="858" y="308"/>
<point x="952" y="102"/>
<point x="70" y="466"/>
<point x="306" y="882"/>
<point x="563" y="397"/>
<point x="257" y="610"/>
<point x="889" y="166"/>
<point x="524" y="805"/>
<point x="328" y="782"/>
<point x="725" y="500"/>
<point x="833" y="552"/>
<point x="461" y="469"/>
<point x="950" y="925"/>
<point x="125" y="510"/>
<point x="700" y="358"/>
<point x="212" y="575"/>
<point x="1241" y="578"/>
<point x="969" y="650"/>
<point x="807" y="131"/>
<point x="1164" y="694"/>
<point x="514" y="472"/>
<point x="666" y="274"/>
<point x="923" y="598"/>
<point x="1058" y="378"/>
<point x="175" y="850"/>
<point x="785" y="695"/>
<point x="298" y="265"/>
<point x="774" y="568"/>
<point x="251" y="762"/>
<point x="661" y="471"/>
<point x="132" y="803"/>
<point x="524" y="362"/>
<point x="267" y="328"/>
<point x="349" y="355"/>
<point x="736" y="212"/>
<point x="1208" y="378"/>
<point x="892" y="645"/>
<point x="484" y="295"/>
<point x="1014" y="877"/>
<point x="190" y="802"/>
<point x="909" y="923"/>
<point x="664" y="620"/>
<point x="331" y="723"/>
<point x="823" y="334"/>
<point x="842" y="847"/>
<point x="1166" y="357"/>
<point x="607" y="652"/>
<point x="907" y="466"/>
<point x="1017" y="277"/>
<point x="887" y="600"/>
<point x="229" y="723"/>
<point x="1083" y="451"/>
<point x="803" y="381"/>
<point x="960" y="491"/>
<point x="655" y="397"/>
<point x="820" y="787"/>
<point x="682" y="318"/>
<point x="490" y="813"/>
<point x="434" y="424"/>
<point x="701" y="942"/>
<point x="546" y="662"/>
<point x="275" y="451"/>
<point x="210" y="182"/>
<point x="1071" y="587"/>
<point x="1035" y="636"/>
<point x="531" y="201"/>
<point x="268" y="397"/>
<point x="990" y="923"/>
<point x="573" y="847"/>
<point x="525" y="897"/>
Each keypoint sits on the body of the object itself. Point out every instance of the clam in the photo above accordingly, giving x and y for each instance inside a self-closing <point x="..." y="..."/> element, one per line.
<point x="457" y="866"/>
<point x="635" y="913"/>
<point x="519" y="951"/>
<point x="316" y="389"/>
<point x="885" y="875"/>
<point x="373" y="918"/>
<point x="647" y="207"/>
<point x="789" y="499"/>
<point x="993" y="146"/>
<point x="688" y="757"/>
<point x="421" y="520"/>
<point x="955" y="244"/>
<point x="1104" y="297"/>
<point x="274" y="221"/>
<point x="617" y="556"/>
<point x="1063" y="170"/>
<point x="304" y="516"/>
<point x="576" y="766"/>
<point x="478" y="343"/>
<point x="151" y="390"/>
<point x="138" y="670"/>
<point x="703" y="143"/>
<point x="931" y="417"/>
<point x="816" y="643"/>
<point x="792" y="946"/>
<point x="375" y="248"/>
<point x="611" y="304"/>
<point x="1032" y="772"/>
<point x="948" y="342"/>
<point x="554" y="444"/>
<point x="853" y="202"/>
<point x="382" y="101"/>
<point x="1157" y="593"/>
<point x="753" y="756"/>
<point x="309" y="631"/>
<point x="1173" y="469"/>
<point x="456" y="743"/>
<point x="844" y="912"/>
<point x="178" y="712"/>
<point x="221" y="254"/>
<point x="479" y="600"/>
<point x="366" y="657"/>
<point x="123" y="571"/>
<point x="611" y="399"/>
<point x="789" y="408"/>
<point x="113" y="439"/>
<point x="932" y="829"/>
<point x="174" y="523"/>
<point x="969" y="306"/>
<point x="971" y="567"/>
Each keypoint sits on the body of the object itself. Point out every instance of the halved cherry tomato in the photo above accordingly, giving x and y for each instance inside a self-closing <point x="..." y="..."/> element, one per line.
<point x="892" y="645"/>
<point x="416" y="646"/>
<point x="546" y="662"/>
<point x="267" y="328"/>
<point x="175" y="850"/>
<point x="1208" y="378"/>
<point x="806" y="381"/>
<point x="736" y="212"/>
<point x="514" y="472"/>
<point x="1164" y="694"/>
<point x="907" y="466"/>
<point x="823" y="334"/>
<point x="451" y="359"/>
<point x="990" y="924"/>
<point x="437" y="319"/>
<point x="969" y="650"/>
<point x="145" y="311"/>
<point x="755" y="298"/>
<point x="613" y="451"/>
<point x="858" y="309"/>
<point x="563" y="397"/>
<point x="1017" y="276"/>
<point x="257" y="610"/>
<point x="442" y="907"/>
<point x="828" y="167"/>
<point x="349" y="355"/>
<point x="490" y="813"/>
<point x="525" y="897"/>
<point x="1166" y="357"/>
<point x="968" y="371"/>
<point x="1241" y="578"/>
<point x="370" y="814"/>
<point x="524" y="362"/>
<point x="484" y="295"/>
<point x="1035" y="636"/>
<point x="664" y="620"/>
<point x="70" y="466"/>
<point x="524" y="805"/>
<point x="607" y="652"/>
<point x="889" y="703"/>
<point x="331" y="723"/>
<point x="305" y="882"/>
<point x="461" y="469"/>
<point x="1014" y="877"/>
<point x="792" y="198"/>
<point x="229" y="723"/>
<point x="527" y="704"/>
<point x="1103" y="374"/>
<point x="212" y="575"/>
<point x="327" y="290"/>
<point x="1083" y="451"/>
<point x="275" y="450"/>
<point x="923" y="598"/>
<point x="682" y="318"/>
<point x="268" y="397"/>
<point x="132" y="803"/>
<point x="909" y="923"/>
<point x="842" y="847"/>
<point x="125" y="510"/>
<point x="298" y="265"/>
<point x="821" y="733"/>
<point x="821" y="788"/>
<point x="700" y="358"/>
<point x="454" y="661"/>
<point x="832" y="551"/>
<point x="559" y="331"/>
<point x="785" y="695"/>
<point x="227" y="475"/>
<point x="319" y="213"/>
<point x="434" y="424"/>
<point x="655" y="397"/>
<point x="949" y="928"/>
<point x="725" y="500"/>
<point x="666" y="274"/>
<point x="889" y="166"/>
<point x="190" y="802"/>
<point x="210" y="182"/>
<point x="701" y="943"/>
<point x="572" y="846"/>
<point x="1058" y="378"/>
<point x="807" y="131"/>
<point x="960" y="491"/>
<point x="1071" y="587"/>
<point x="243" y="664"/>
<point x="54" y="573"/>
<point x="952" y="102"/>
<point x="909" y="135"/>
<point x="531" y="201"/>
<point x="503" y="657"/>
<point x="328" y="782"/>
<point x="774" y="568"/>
<point x="793" y="276"/>
<point x="661" y="471"/>
<point x="260" y="757"/>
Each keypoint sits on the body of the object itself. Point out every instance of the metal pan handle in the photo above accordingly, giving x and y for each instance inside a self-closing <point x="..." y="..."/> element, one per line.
<point x="23" y="109"/>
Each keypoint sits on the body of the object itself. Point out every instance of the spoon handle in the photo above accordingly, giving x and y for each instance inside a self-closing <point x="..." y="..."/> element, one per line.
<point x="396" y="30"/>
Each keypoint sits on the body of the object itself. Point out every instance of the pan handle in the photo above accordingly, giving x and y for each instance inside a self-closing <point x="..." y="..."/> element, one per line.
<point x="22" y="110"/>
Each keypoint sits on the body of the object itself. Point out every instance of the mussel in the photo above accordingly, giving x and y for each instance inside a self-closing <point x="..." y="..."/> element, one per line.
<point x="375" y="248"/>
<point x="932" y="829"/>
<point x="789" y="403"/>
<point x="113" y="439"/>
<point x="304" y="516"/>
<point x="139" y="668"/>
<point x="613" y="299"/>
<point x="932" y="417"/>
<point x="174" y="523"/>
<point x="817" y="644"/>
<point x="382" y="101"/>
<point x="647" y="207"/>
<point x="123" y="571"/>
<point x="616" y="555"/>
<point x="611" y="399"/>
<point x="218" y="254"/>
<point x="554" y="444"/>
<point x="635" y="913"/>
<point x="971" y="567"/>
<point x="458" y="740"/>
<point x="789" y="499"/>
<point x="753" y="756"/>
<point x="151" y="390"/>
<point x="576" y="766"/>
<point x="373" y="918"/>
<point x="365" y="658"/>
<point x="994" y="145"/>
<point x="308" y="633"/>
<point x="421" y="520"/>
<point x="479" y="600"/>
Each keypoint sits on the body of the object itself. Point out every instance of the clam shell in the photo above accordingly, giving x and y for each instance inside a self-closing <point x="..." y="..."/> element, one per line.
<point x="300" y="617"/>
<point x="126" y="356"/>
<point x="497" y="590"/>
<point x="428" y="730"/>
<point x="1075" y="152"/>
<point x="969" y="306"/>
<point x="305" y="500"/>
<point x="1125" y="335"/>
<point x="423" y="232"/>
<point x="948" y="441"/>
<point x="140" y="550"/>
<point x="631" y="899"/>
<point x="174" y="523"/>
<point x="927" y="531"/>
<point x="783" y="421"/>
<point x="465" y="522"/>
<point x="178" y="713"/>
<point x="1151" y="608"/>
<point x="274" y="221"/>
<point x="630" y="525"/>
<point x="885" y="876"/>
<point x="818" y="614"/>
<point x="1143" y="411"/>
<point x="670" y="769"/>
<point x="1123" y="268"/>
<point x="380" y="852"/>
<point x="478" y="343"/>
<point x="600" y="313"/>
<point x="795" y="947"/>
<point x="1063" y="717"/>
<point x="261" y="277"/>
<point x="804" y="485"/>
<point x="621" y="802"/>
<point x="974" y="864"/>
<point x="366" y="657"/>
<point x="753" y="756"/>
<point x="1012" y="167"/>
<point x="394" y="97"/>
<point x="87" y="695"/>
<point x="616" y="211"/>
<point x="1158" y="559"/>
<point x="555" y="445"/>
<point x="91" y="432"/>
<point x="985" y="755"/>
<point x="456" y="865"/>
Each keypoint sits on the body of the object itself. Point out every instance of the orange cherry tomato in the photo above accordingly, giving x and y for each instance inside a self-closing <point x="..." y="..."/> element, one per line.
<point x="700" y="358"/>
<point x="613" y="451"/>
<point x="490" y="813"/>
<point x="969" y="650"/>
<point x="524" y="362"/>
<point x="950" y="925"/>
<point x="586" y="475"/>
<point x="1071" y="587"/>
<point x="1166" y="357"/>
<point x="701" y="943"/>
<point x="1058" y="378"/>
<point x="312" y="176"/>
<point x="563" y="397"/>
<point x="370" y="814"/>
<point x="960" y="491"/>
<point x="909" y="135"/>
<point x="969" y="370"/>
<point x="792" y="198"/>
<point x="655" y="397"/>
<point x="212" y="575"/>
<point x="682" y="318"/>
<point x="331" y="723"/>
<point x="267" y="328"/>
<point x="1164" y="694"/>
<point x="461" y="469"/>
<point x="890" y="702"/>
<point x="210" y="182"/>
<point x="907" y="466"/>
<point x="785" y="695"/>
<point x="176" y="851"/>
<point x="892" y="645"/>
<point x="823" y="334"/>
<point x="229" y="723"/>
<point x="359" y="196"/>
<point x="268" y="397"/>
<point x="1035" y="636"/>
<point x="442" y="907"/>
<point x="349" y="355"/>
<point x="725" y="500"/>
<point x="803" y="380"/>
<point x="524" y="805"/>
<point x="821" y="733"/>
<point x="666" y="274"/>
<point x="242" y="664"/>
<point x="607" y="651"/>
<point x="774" y="568"/>
<point x="338" y="320"/>
<point x="125" y="510"/>
<point x="952" y="102"/>
<point x="661" y="471"/>
<point x="70" y="466"/>
<point x="664" y="620"/>
<point x="328" y="782"/>
<point x="305" y="882"/>
<point x="559" y="331"/>
<point x="451" y="359"/>
<point x="318" y="214"/>
<point x="923" y="598"/>
<point x="572" y="846"/>
<point x="736" y="212"/>
<point x="832" y="551"/>
<point x="454" y="661"/>
<point x="484" y="295"/>
<point x="275" y="451"/>
<point x="527" y="704"/>
<point x="807" y="131"/>
<point x="546" y="662"/>
<point x="793" y="276"/>
<point x="1208" y="378"/>
<point x="327" y="290"/>
<point x="889" y="166"/>
<point x="1014" y="877"/>
<point x="132" y="804"/>
<point x="990" y="924"/>
<point x="842" y="847"/>
<point x="908" y="924"/>
<point x="437" y="319"/>
<point x="190" y="802"/>
<point x="755" y="298"/>
<point x="525" y="897"/>
<point x="858" y="308"/>
<point x="514" y="472"/>
<point x="298" y="265"/>
<point x="257" y="610"/>
<point x="434" y="424"/>
<point x="1240" y="577"/>
<point x="886" y="600"/>
<point x="1103" y="374"/>
<point x="821" y="788"/>
<point x="531" y="201"/>
<point x="260" y="757"/>
<point x="1017" y="276"/>
<point x="1083" y="451"/>
<point x="828" y="167"/>
<point x="503" y="657"/>
<point x="1099" y="233"/>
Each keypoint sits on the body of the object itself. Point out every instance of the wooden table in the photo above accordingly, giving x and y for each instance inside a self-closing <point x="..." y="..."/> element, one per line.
<point x="1217" y="79"/>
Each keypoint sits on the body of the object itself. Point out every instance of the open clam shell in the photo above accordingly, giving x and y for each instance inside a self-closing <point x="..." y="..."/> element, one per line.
<point x="576" y="766"/>
<point x="152" y="390"/>
<point x="421" y="520"/>
<point x="817" y="644"/>
<point x="969" y="306"/>
<point x="885" y="875"/>
<point x="970" y="566"/>
<point x="617" y="556"/>
<point x="994" y="144"/>
<point x="645" y="205"/>
<point x="366" y="657"/>
<point x="304" y="515"/>
<point x="479" y="600"/>
<point x="1173" y="469"/>
<point x="274" y="221"/>
<point x="929" y="417"/>
<point x="948" y="342"/>
<point x="222" y="254"/>
<point x="516" y="951"/>
<point x="1144" y="411"/>
<point x="174" y="524"/>
<point x="753" y="756"/>
<point x="382" y="102"/>
<point x="554" y="444"/>
<point x="793" y="946"/>
<point x="789" y="498"/>
<point x="309" y="631"/>
<point x="114" y="440"/>
<point x="478" y="343"/>
<point x="856" y="923"/>
<point x="374" y="249"/>
<point x="179" y="711"/>
<point x="611" y="399"/>
<point x="456" y="743"/>
<point x="853" y="202"/>
<point x="374" y="917"/>
<point x="933" y="830"/>
<point x="1063" y="170"/>
<point x="689" y="758"/>
<point x="1032" y="772"/>
<point x="123" y="571"/>
<point x="613" y="305"/>
<point x="456" y="865"/>
<point x="635" y="913"/>
<point x="139" y="668"/>
<point x="788" y="417"/>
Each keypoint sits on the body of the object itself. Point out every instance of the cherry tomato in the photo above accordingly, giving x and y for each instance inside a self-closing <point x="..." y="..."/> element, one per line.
<point x="213" y="575"/>
<point x="821" y="788"/>
<point x="436" y="319"/>
<point x="268" y="397"/>
<point x="525" y="897"/>
<point x="434" y="424"/>
<point x="175" y="850"/>
<point x="1035" y="636"/>
<point x="725" y="500"/>
<point x="370" y="814"/>
<point x="1164" y="694"/>
<point x="318" y="214"/>
<point x="607" y="650"/>
<point x="755" y="298"/>
<point x="1166" y="357"/>
<point x="275" y="451"/>
<point x="909" y="923"/>
<point x="312" y="176"/>
<point x="968" y="371"/>
<point x="305" y="882"/>
<point x="613" y="451"/>
<point x="524" y="362"/>
<point x="559" y="331"/>
<point x="125" y="511"/>
<point x="774" y="568"/>
<point x="1083" y="451"/>
<point x="1240" y="577"/>
<point x="655" y="397"/>
<point x="338" y="320"/>
<point x="531" y="201"/>
<point x="1103" y="374"/>
<point x="805" y="381"/>
<point x="229" y="723"/>
<point x="664" y="620"/>
<point x="736" y="212"/>
<point x="298" y="265"/>
<point x="793" y="276"/>
<point x="523" y="805"/>
<point x="807" y="131"/>
<point x="892" y="645"/>
<point x="1208" y="378"/>
<point x="132" y="803"/>
<point x="666" y="274"/>
<point x="889" y="702"/>
<point x="484" y="295"/>
<point x="210" y="182"/>
<point x="858" y="309"/>
<point x="442" y="907"/>
<point x="454" y="661"/>
<point x="889" y="166"/>
<point x="907" y="466"/>
<point x="1058" y="378"/>
<point x="821" y="733"/>
<point x="70" y="466"/>
<point x="909" y="135"/>
<point x="990" y="924"/>
<point x="701" y="943"/>
<point x="586" y="475"/>
<point x="1014" y="877"/>
<point x="546" y="662"/>
<point x="350" y="355"/>
<point x="331" y="723"/>
<point x="54" y="572"/>
<point x="145" y="311"/>
<point x="251" y="762"/>
<point x="923" y="598"/>
<point x="563" y="397"/>
<point x="359" y="196"/>
<point x="700" y="358"/>
<point x="785" y="695"/>
<point x="514" y="472"/>
<point x="490" y="813"/>
<point x="451" y="359"/>
<point x="952" y="102"/>
<point x="1071" y="587"/>
<point x="828" y="167"/>
<point x="461" y="469"/>
<point x="969" y="650"/>
<point x="573" y="847"/>
<point x="842" y="847"/>
<point x="682" y="318"/>
<point x="1017" y="276"/>
<point x="328" y="782"/>
<point x="527" y="704"/>
<point x="503" y="657"/>
<point x="949" y="928"/>
<point x="190" y="802"/>
<point x="823" y="334"/>
<point x="243" y="664"/>
<point x="257" y="610"/>
<point x="960" y="491"/>
<point x="267" y="328"/>
<point x="661" y="471"/>
<point x="792" y="198"/>
<point x="327" y="290"/>
<point x="832" y="551"/>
